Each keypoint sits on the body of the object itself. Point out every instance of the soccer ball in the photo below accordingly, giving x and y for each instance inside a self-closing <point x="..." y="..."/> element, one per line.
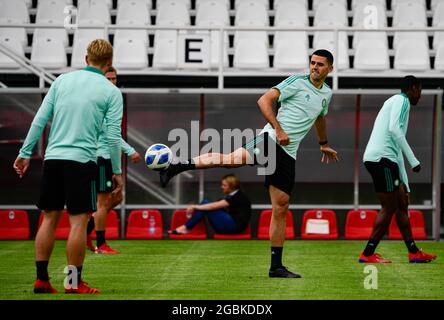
<point x="158" y="157"/>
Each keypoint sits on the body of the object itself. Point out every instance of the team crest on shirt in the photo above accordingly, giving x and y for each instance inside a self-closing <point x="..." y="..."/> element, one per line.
<point x="324" y="103"/>
<point x="396" y="182"/>
<point x="307" y="97"/>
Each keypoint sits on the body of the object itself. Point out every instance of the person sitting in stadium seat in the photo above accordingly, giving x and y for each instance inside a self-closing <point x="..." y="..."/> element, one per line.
<point x="229" y="215"/>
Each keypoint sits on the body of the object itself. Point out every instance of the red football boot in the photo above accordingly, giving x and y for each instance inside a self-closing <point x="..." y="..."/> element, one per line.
<point x="421" y="257"/>
<point x="106" y="249"/>
<point x="83" y="288"/>
<point x="44" y="287"/>
<point x="374" y="258"/>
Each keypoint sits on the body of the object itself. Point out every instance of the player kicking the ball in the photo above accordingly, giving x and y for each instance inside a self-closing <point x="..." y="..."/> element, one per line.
<point x="383" y="159"/>
<point x="304" y="101"/>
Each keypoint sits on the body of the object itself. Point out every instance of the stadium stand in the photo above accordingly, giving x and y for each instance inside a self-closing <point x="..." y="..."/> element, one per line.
<point x="158" y="51"/>
<point x="130" y="54"/>
<point x="108" y="3"/>
<point x="144" y="224"/>
<point x="199" y="232"/>
<point x="13" y="12"/>
<point x="264" y="225"/>
<point x="14" y="45"/>
<point x="331" y="11"/>
<point x="318" y="3"/>
<point x="409" y="12"/>
<point x="93" y="13"/>
<point x="395" y="3"/>
<point x="262" y="3"/>
<point x="319" y="224"/>
<point x="277" y="3"/>
<point x="49" y="53"/>
<point x="251" y="47"/>
<point x="14" y="225"/>
<point x="18" y="34"/>
<point x="416" y="222"/>
<point x="291" y="11"/>
<point x="225" y="3"/>
<point x="359" y="224"/>
<point x="214" y="14"/>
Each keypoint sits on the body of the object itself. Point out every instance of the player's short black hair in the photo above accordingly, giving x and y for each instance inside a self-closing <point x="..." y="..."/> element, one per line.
<point x="324" y="53"/>
<point x="409" y="81"/>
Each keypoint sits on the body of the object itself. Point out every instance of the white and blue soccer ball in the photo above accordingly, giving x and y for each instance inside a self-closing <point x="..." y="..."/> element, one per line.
<point x="158" y="157"/>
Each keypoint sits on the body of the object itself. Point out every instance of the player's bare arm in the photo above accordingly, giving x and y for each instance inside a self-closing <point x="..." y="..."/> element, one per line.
<point x="265" y="104"/>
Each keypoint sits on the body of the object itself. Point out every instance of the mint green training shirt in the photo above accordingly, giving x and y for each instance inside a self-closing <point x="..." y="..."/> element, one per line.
<point x="78" y="102"/>
<point x="103" y="148"/>
<point x="301" y="104"/>
<point x="387" y="139"/>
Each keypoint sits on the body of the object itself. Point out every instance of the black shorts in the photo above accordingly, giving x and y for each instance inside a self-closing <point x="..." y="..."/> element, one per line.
<point x="104" y="177"/>
<point x="385" y="175"/>
<point x="281" y="173"/>
<point x="68" y="182"/>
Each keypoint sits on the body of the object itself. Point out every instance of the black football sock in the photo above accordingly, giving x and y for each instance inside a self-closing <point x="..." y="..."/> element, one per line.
<point x="371" y="247"/>
<point x="90" y="226"/>
<point x="276" y="257"/>
<point x="42" y="270"/>
<point x="79" y="274"/>
<point x="100" y="238"/>
<point x="411" y="246"/>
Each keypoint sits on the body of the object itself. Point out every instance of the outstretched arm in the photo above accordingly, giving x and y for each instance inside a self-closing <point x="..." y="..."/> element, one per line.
<point x="265" y="104"/>
<point x="328" y="154"/>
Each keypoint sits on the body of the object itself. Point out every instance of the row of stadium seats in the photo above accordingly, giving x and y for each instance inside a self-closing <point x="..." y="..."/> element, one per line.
<point x="251" y="50"/>
<point x="100" y="11"/>
<point x="96" y="12"/>
<point x="148" y="224"/>
<point x="272" y="4"/>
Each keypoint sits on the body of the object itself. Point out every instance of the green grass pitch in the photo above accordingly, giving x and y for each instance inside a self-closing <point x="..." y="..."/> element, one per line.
<point x="220" y="270"/>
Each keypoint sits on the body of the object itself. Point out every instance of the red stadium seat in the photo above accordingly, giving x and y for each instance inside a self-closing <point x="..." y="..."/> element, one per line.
<point x="63" y="228"/>
<point x="416" y="222"/>
<point x="359" y="224"/>
<point x="144" y="224"/>
<point x="179" y="218"/>
<point x="328" y="215"/>
<point x="245" y="235"/>
<point x="264" y="225"/>
<point x="14" y="225"/>
<point x="111" y="227"/>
